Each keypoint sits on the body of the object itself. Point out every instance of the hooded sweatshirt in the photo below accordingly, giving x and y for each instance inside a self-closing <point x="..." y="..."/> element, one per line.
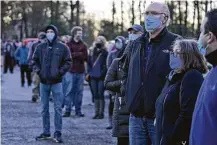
<point x="51" y="60"/>
<point x="117" y="52"/>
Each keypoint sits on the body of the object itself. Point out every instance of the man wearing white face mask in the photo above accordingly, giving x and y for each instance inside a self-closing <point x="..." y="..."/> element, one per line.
<point x="51" y="60"/>
<point x="145" y="70"/>
<point x="135" y="32"/>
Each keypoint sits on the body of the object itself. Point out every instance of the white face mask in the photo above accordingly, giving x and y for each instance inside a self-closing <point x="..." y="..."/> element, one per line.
<point x="118" y="45"/>
<point x="133" y="36"/>
<point x="50" y="36"/>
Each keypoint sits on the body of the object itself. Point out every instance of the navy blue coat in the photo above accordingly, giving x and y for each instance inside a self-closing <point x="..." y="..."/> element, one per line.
<point x="175" y="106"/>
<point x="97" y="64"/>
<point x="142" y="87"/>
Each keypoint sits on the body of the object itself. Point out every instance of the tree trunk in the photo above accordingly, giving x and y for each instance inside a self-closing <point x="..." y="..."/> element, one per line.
<point x="140" y="12"/>
<point x="113" y="13"/>
<point x="21" y="31"/>
<point x="193" y="25"/>
<point x="24" y="19"/>
<point x="198" y="18"/>
<point x="186" y="17"/>
<point x="122" y="17"/>
<point x="51" y="9"/>
<point x="78" y="13"/>
<point x="57" y="11"/>
<point x="72" y="7"/>
<point x="206" y="6"/>
<point x="133" y="13"/>
<point x="180" y="18"/>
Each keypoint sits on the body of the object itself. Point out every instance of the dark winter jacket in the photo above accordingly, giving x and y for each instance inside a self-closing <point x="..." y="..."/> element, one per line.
<point x="21" y="55"/>
<point x="9" y="50"/>
<point x="120" y="121"/>
<point x="79" y="56"/>
<point x="97" y="63"/>
<point x="31" y="51"/>
<point x="51" y="60"/>
<point x="142" y="87"/>
<point x="175" y="106"/>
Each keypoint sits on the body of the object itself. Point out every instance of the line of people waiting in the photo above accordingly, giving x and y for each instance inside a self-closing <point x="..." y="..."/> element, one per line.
<point x="156" y="84"/>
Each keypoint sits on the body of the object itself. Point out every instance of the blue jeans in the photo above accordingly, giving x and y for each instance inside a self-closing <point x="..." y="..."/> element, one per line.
<point x="98" y="89"/>
<point x="74" y="93"/>
<point x="45" y="91"/>
<point x="67" y="83"/>
<point x="140" y="130"/>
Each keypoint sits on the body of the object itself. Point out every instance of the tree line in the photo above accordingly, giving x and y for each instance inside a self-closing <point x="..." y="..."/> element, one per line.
<point x="22" y="19"/>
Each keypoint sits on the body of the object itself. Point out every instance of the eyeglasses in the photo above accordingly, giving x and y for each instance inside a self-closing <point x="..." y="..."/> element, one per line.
<point x="175" y="54"/>
<point x="153" y="13"/>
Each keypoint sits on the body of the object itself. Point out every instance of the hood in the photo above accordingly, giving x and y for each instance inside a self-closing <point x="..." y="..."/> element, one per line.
<point x="122" y="39"/>
<point x="54" y="28"/>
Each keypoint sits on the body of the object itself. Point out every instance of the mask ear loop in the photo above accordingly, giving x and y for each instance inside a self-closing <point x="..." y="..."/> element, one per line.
<point x="165" y="18"/>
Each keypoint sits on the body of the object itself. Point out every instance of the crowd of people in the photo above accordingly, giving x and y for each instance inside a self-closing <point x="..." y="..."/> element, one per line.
<point x="161" y="90"/>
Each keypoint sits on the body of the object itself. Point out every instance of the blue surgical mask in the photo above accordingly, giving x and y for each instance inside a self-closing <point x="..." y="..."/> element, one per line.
<point x="152" y="23"/>
<point x="175" y="62"/>
<point x="118" y="45"/>
<point x="133" y="36"/>
<point x="50" y="36"/>
<point x="201" y="48"/>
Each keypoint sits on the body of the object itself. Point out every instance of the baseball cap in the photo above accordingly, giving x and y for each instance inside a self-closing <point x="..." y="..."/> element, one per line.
<point x="136" y="27"/>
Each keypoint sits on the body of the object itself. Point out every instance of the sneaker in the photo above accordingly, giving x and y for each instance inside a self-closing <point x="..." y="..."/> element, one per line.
<point x="57" y="137"/>
<point x="79" y="115"/>
<point x="43" y="136"/>
<point x="66" y="114"/>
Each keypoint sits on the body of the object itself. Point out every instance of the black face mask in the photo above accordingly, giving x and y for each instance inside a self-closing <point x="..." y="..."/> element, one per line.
<point x="211" y="58"/>
<point x="98" y="45"/>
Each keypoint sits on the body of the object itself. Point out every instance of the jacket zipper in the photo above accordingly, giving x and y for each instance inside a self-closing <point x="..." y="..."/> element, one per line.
<point x="163" y="111"/>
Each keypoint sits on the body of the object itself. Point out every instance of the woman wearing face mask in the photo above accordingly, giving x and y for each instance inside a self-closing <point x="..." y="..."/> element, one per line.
<point x="120" y="118"/>
<point x="175" y="105"/>
<point x="96" y="74"/>
<point x="119" y="45"/>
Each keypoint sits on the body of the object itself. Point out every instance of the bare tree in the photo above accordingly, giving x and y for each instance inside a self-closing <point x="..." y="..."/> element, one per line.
<point x="186" y="16"/>
<point x="133" y="12"/>
<point x="113" y="12"/>
<point x="24" y="18"/>
<point x="122" y="17"/>
<point x="140" y="11"/>
<point x="78" y="13"/>
<point x="57" y="11"/>
<point x="52" y="11"/>
<point x="180" y="18"/>
<point x="198" y="17"/>
<point x="72" y="7"/>
<point x="206" y="6"/>
<point x="194" y="14"/>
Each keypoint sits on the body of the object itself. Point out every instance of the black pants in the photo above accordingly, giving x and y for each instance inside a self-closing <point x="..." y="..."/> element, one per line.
<point x="24" y="69"/>
<point x="111" y="105"/>
<point x="123" y="141"/>
<point x="8" y="64"/>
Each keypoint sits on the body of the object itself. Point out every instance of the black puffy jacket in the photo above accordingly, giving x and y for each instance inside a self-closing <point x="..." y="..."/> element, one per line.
<point x="120" y="121"/>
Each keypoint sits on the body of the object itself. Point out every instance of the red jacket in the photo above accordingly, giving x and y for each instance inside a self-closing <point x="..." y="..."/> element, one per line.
<point x="79" y="56"/>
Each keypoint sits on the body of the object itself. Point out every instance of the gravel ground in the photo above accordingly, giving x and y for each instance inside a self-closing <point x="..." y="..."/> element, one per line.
<point x="21" y="120"/>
